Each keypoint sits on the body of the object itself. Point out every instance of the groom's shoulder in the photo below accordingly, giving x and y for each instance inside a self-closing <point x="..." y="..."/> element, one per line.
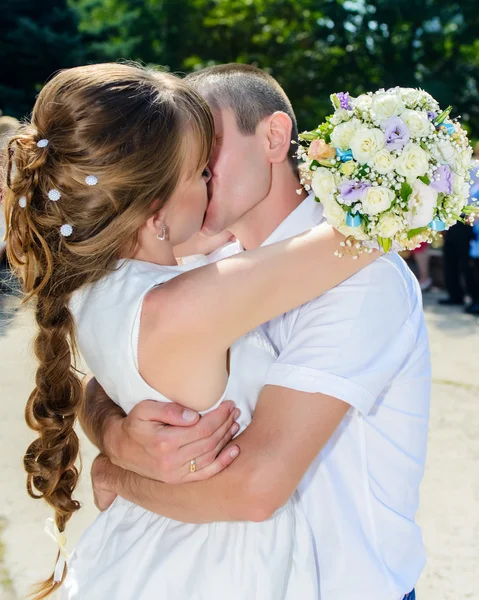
<point x="386" y="285"/>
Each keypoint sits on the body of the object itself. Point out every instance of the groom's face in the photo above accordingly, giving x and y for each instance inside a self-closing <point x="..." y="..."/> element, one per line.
<point x="241" y="173"/>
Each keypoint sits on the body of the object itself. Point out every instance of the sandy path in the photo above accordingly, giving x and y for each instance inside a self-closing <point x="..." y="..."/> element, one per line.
<point x="450" y="492"/>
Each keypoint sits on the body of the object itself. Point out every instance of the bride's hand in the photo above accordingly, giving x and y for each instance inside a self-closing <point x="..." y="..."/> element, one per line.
<point x="156" y="440"/>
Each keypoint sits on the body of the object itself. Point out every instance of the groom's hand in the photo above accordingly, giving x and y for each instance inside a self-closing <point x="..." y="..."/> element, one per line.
<point x="159" y="440"/>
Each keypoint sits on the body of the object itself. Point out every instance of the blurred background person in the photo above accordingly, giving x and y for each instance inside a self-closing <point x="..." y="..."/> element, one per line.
<point x="473" y="308"/>
<point x="8" y="126"/>
<point x="458" y="267"/>
<point x="422" y="258"/>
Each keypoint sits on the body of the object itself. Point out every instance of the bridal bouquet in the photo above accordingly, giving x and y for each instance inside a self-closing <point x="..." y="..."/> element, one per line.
<point x="390" y="168"/>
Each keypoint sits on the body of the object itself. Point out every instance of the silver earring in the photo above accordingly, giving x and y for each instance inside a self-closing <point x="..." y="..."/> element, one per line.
<point x="163" y="235"/>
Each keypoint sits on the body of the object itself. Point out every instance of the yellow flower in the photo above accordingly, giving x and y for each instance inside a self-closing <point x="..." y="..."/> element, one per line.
<point x="348" y="168"/>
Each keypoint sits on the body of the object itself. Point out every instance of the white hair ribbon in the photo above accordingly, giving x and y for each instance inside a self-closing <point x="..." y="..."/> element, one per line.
<point x="51" y="529"/>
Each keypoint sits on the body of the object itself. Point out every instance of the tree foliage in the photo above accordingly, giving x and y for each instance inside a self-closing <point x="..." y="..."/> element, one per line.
<point x="313" y="47"/>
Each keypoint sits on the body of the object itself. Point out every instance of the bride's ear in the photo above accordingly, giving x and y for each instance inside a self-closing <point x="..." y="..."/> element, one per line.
<point x="279" y="136"/>
<point x="156" y="223"/>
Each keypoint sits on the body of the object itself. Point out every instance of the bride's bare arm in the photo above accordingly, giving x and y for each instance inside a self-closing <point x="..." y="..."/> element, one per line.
<point x="218" y="303"/>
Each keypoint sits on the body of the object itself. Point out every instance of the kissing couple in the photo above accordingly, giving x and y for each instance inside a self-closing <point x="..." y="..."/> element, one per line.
<point x="159" y="226"/>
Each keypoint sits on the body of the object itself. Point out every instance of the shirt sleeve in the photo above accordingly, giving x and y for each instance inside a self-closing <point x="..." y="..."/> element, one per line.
<point x="351" y="341"/>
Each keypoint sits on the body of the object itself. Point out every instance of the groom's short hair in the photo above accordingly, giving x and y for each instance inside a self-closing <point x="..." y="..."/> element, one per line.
<point x="249" y="92"/>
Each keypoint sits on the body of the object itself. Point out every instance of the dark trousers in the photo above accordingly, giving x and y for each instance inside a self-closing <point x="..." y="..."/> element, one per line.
<point x="458" y="268"/>
<point x="410" y="596"/>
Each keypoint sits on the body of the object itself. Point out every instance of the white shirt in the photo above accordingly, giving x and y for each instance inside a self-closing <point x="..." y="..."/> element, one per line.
<point x="364" y="342"/>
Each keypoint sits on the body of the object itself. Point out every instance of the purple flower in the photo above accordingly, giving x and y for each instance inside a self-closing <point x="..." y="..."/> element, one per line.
<point x="352" y="191"/>
<point x="344" y="102"/>
<point x="431" y="115"/>
<point x="443" y="180"/>
<point x="396" y="133"/>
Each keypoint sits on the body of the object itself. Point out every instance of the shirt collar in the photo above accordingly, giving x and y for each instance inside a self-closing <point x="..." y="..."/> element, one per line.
<point x="307" y="215"/>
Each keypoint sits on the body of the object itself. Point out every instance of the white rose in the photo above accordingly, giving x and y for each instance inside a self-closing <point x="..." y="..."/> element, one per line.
<point x="422" y="203"/>
<point x="413" y="162"/>
<point x="410" y="96"/>
<point x="333" y="213"/>
<point x="389" y="224"/>
<point x="323" y="183"/>
<point x="457" y="184"/>
<point x="377" y="199"/>
<point x="363" y="102"/>
<point x="339" y="116"/>
<point x="342" y="134"/>
<point x="383" y="162"/>
<point x="386" y="105"/>
<point x="443" y="151"/>
<point x="417" y="122"/>
<point x="463" y="160"/>
<point x="366" y="142"/>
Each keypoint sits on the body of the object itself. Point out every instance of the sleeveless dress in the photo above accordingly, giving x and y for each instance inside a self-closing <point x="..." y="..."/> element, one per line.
<point x="129" y="553"/>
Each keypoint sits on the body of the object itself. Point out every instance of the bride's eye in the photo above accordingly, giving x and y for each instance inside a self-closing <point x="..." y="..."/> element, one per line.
<point x="206" y="173"/>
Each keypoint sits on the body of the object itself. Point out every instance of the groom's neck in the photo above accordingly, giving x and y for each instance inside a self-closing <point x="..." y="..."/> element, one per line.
<point x="258" y="224"/>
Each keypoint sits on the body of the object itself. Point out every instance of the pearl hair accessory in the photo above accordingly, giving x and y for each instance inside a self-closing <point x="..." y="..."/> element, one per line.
<point x="22" y="201"/>
<point x="42" y="143"/>
<point x="54" y="195"/>
<point x="91" y="179"/>
<point x="66" y="230"/>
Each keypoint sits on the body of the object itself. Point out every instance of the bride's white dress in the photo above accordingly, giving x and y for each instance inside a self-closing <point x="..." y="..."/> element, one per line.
<point x="129" y="553"/>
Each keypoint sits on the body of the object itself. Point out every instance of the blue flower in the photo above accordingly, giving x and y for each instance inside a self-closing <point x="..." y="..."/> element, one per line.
<point x="344" y="155"/>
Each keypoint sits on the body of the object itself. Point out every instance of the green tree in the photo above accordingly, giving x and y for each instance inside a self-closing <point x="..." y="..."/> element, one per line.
<point x="36" y="39"/>
<point x="312" y="47"/>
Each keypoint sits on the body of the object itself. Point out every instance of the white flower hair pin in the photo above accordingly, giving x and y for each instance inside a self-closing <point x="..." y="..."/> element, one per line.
<point x="91" y="180"/>
<point x="22" y="201"/>
<point x="43" y="143"/>
<point x="54" y="195"/>
<point x="66" y="230"/>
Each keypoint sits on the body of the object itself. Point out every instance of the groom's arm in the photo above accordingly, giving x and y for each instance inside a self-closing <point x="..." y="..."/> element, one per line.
<point x="288" y="430"/>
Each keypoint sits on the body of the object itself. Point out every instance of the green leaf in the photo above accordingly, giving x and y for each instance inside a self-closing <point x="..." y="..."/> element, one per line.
<point x="406" y="191"/>
<point x="443" y="116"/>
<point x="425" y="179"/>
<point x="385" y="243"/>
<point x="335" y="101"/>
<point x="314" y="163"/>
<point x="309" y="136"/>
<point x="471" y="210"/>
<point x="414" y="232"/>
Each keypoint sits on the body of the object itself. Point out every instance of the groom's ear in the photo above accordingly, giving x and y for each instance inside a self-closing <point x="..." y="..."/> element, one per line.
<point x="278" y="131"/>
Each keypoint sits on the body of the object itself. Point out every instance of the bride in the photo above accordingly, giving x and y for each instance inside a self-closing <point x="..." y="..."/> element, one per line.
<point x="109" y="176"/>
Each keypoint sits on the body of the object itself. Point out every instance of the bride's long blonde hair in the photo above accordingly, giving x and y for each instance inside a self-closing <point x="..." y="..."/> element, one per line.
<point x="113" y="141"/>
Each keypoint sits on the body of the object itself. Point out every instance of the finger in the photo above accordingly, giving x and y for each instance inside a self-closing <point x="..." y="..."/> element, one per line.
<point x="207" y="459"/>
<point x="205" y="427"/>
<point x="228" y="455"/>
<point x="167" y="413"/>
<point x="206" y="446"/>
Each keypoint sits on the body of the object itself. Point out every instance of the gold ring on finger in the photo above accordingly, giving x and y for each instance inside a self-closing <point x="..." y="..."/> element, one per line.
<point x="193" y="465"/>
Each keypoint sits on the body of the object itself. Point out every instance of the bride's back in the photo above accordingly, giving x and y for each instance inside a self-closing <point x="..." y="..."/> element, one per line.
<point x="108" y="324"/>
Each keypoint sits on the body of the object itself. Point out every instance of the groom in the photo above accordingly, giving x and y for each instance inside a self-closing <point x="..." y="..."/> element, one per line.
<point x="344" y="412"/>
